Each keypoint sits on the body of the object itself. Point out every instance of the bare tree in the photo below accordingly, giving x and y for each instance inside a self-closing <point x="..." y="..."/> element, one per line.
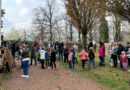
<point x="39" y="23"/>
<point x="46" y="17"/>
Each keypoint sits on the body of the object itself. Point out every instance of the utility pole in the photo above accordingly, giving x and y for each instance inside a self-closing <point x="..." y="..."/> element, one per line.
<point x="0" y="20"/>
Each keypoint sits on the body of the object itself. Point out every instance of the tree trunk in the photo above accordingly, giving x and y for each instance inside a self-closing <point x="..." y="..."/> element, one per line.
<point x="71" y="33"/>
<point x="118" y="36"/>
<point x="84" y="41"/>
<point x="42" y="33"/>
<point x="50" y="34"/>
<point x="79" y="36"/>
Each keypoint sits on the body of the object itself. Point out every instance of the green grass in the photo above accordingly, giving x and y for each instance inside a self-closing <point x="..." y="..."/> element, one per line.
<point x="109" y="77"/>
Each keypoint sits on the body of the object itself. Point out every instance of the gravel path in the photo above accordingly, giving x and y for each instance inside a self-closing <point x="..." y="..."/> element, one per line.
<point x="39" y="79"/>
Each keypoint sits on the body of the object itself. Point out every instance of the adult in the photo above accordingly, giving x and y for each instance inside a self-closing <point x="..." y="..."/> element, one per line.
<point x="53" y="59"/>
<point x="127" y="47"/>
<point x="119" y="50"/>
<point x="102" y="46"/>
<point x="114" y="54"/>
<point x="90" y="44"/>
<point x="61" y="46"/>
<point x="9" y="45"/>
<point x="66" y="52"/>
<point x="33" y="55"/>
<point x="13" y="52"/>
<point x="75" y="51"/>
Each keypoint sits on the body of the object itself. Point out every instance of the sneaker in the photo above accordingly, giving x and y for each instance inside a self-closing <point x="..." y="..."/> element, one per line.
<point x="69" y="69"/>
<point x="26" y="76"/>
<point x="22" y="75"/>
<point x="49" y="67"/>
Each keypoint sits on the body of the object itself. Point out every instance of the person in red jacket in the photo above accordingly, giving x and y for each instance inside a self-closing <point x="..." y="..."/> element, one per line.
<point x="83" y="55"/>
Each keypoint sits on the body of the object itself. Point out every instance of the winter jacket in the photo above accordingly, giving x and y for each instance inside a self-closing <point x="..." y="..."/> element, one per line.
<point x="123" y="58"/>
<point x="70" y="57"/>
<point x="128" y="54"/>
<point x="114" y="50"/>
<point x="91" y="55"/>
<point x="83" y="55"/>
<point x="120" y="49"/>
<point x="25" y="54"/>
<point x="100" y="52"/>
<point x="53" y="56"/>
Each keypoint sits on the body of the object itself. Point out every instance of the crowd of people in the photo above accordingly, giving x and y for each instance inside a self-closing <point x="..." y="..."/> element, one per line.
<point x="48" y="53"/>
<point x="119" y="55"/>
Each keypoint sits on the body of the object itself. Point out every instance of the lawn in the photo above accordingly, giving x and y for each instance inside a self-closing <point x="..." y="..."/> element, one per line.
<point x="112" y="78"/>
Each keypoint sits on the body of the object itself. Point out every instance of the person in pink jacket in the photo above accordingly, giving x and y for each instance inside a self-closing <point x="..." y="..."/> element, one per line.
<point x="124" y="59"/>
<point x="70" y="58"/>
<point x="83" y="55"/>
<point x="100" y="55"/>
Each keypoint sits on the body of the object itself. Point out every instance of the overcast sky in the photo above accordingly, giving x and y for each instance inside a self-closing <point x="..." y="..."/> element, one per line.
<point x="19" y="12"/>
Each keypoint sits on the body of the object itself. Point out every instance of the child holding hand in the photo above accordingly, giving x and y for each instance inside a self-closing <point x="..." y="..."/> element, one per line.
<point x="91" y="56"/>
<point x="70" y="58"/>
<point x="124" y="58"/>
<point x="83" y="55"/>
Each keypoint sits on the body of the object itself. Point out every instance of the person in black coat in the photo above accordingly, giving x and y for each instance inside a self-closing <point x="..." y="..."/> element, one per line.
<point x="90" y="44"/>
<point x="33" y="55"/>
<point x="119" y="50"/>
<point x="61" y="46"/>
<point x="13" y="52"/>
<point x="53" y="59"/>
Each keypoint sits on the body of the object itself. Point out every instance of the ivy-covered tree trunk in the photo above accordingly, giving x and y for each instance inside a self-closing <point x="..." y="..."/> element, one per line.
<point x="104" y="31"/>
<point x="71" y="32"/>
<point x="79" y="35"/>
<point x="84" y="40"/>
<point x="118" y="36"/>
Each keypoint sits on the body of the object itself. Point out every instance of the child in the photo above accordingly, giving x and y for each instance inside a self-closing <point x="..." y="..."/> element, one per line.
<point x="42" y="57"/>
<point x="83" y="55"/>
<point x="91" y="56"/>
<point x="128" y="55"/>
<point x="70" y="58"/>
<point x="47" y="58"/>
<point x="100" y="55"/>
<point x="53" y="59"/>
<point x="123" y="58"/>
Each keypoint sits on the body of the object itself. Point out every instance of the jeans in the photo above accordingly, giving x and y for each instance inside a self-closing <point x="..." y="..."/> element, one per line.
<point x="101" y="60"/>
<point x="89" y="63"/>
<point x="70" y="64"/>
<point x="25" y="66"/>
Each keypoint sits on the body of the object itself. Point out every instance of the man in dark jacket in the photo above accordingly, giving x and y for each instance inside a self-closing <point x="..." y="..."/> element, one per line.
<point x="33" y="56"/>
<point x="90" y="44"/>
<point x="119" y="50"/>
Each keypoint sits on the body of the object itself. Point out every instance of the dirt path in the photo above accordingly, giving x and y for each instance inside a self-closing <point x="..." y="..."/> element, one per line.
<point x="48" y="80"/>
